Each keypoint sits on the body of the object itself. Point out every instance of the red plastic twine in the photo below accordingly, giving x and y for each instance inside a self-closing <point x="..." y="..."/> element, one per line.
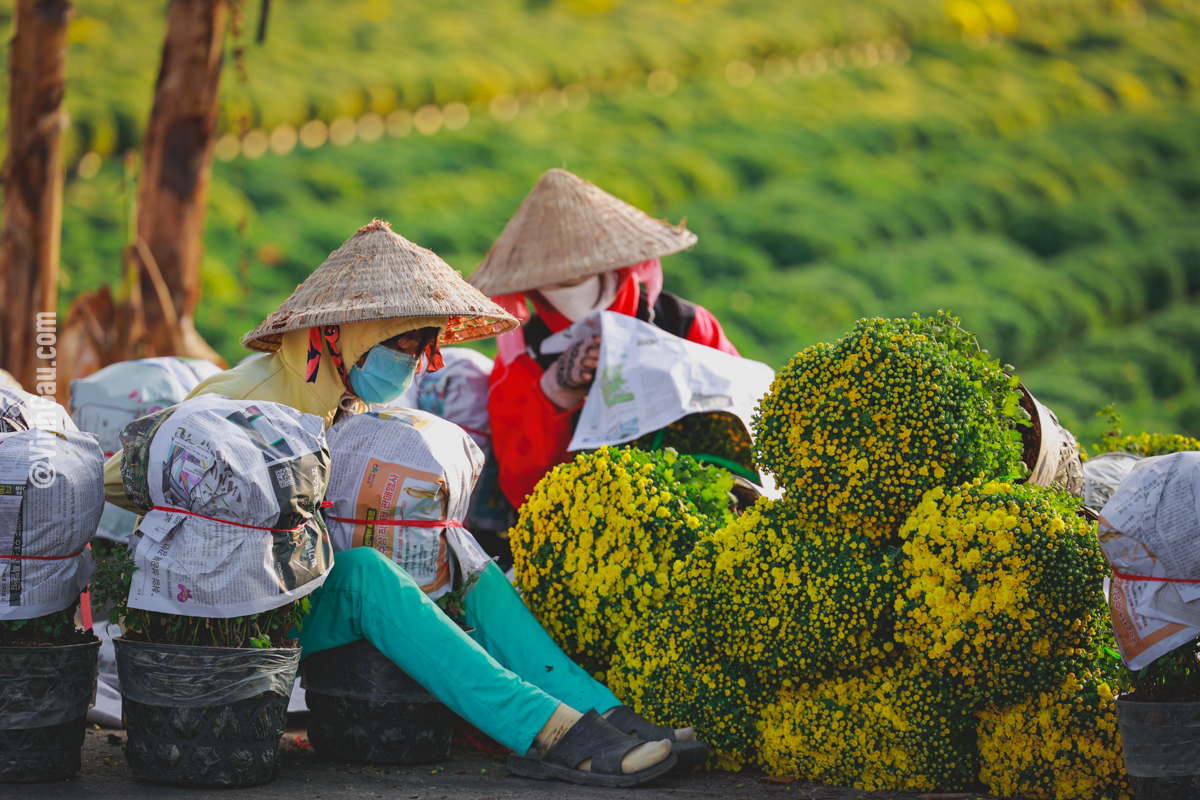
<point x="43" y="558"/>
<point x="226" y="521"/>
<point x="407" y="523"/>
<point x="1127" y="577"/>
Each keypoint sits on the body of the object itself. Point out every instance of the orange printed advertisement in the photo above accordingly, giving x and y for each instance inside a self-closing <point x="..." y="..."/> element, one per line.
<point x="395" y="492"/>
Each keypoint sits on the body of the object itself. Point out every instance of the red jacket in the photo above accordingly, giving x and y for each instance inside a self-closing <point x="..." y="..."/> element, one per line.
<point x="529" y="433"/>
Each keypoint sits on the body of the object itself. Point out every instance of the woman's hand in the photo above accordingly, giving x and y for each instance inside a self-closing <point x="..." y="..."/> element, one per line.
<point x="568" y="379"/>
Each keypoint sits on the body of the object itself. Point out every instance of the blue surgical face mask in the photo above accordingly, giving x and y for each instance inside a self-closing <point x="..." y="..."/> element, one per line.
<point x="384" y="376"/>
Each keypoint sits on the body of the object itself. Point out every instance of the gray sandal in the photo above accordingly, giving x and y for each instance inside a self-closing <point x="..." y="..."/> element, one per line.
<point x="626" y="720"/>
<point x="591" y="737"/>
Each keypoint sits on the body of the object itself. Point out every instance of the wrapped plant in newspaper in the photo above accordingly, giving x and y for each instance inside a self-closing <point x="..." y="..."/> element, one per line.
<point x="894" y="727"/>
<point x="1004" y="587"/>
<point x="231" y="489"/>
<point x="413" y="466"/>
<point x="595" y="542"/>
<point x="858" y="430"/>
<point x="106" y="401"/>
<point x="1060" y="743"/>
<point x="22" y="411"/>
<point x="51" y="496"/>
<point x="717" y="438"/>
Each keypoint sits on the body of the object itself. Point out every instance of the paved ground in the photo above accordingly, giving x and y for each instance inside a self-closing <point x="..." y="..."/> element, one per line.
<point x="474" y="776"/>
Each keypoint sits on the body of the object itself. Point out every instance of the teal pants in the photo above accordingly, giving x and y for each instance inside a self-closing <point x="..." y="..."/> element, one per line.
<point x="506" y="678"/>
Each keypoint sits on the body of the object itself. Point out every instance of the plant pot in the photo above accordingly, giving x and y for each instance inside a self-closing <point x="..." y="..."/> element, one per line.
<point x="1050" y="450"/>
<point x="365" y="708"/>
<point x="45" y="693"/>
<point x="1161" y="743"/>
<point x="204" y="715"/>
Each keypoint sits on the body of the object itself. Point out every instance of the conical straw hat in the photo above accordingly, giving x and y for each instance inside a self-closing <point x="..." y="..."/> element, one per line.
<point x="568" y="228"/>
<point x="378" y="275"/>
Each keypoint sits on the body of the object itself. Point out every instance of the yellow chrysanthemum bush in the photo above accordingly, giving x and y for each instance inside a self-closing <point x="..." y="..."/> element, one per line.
<point x="893" y="727"/>
<point x="714" y="437"/>
<point x="1058" y="744"/>
<point x="858" y="430"/>
<point x="1004" y="588"/>
<point x="595" y="542"/>
<point x="671" y="669"/>
<point x="764" y="600"/>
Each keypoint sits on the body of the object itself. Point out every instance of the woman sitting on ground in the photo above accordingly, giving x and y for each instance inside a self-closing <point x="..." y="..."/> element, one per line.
<point x="356" y="332"/>
<point x="570" y="250"/>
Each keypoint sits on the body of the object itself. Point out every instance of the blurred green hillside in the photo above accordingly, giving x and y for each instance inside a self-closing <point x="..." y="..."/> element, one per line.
<point x="1031" y="166"/>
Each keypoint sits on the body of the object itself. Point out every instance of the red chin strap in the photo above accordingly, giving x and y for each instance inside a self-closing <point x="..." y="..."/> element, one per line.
<point x="320" y="338"/>
<point x="433" y="358"/>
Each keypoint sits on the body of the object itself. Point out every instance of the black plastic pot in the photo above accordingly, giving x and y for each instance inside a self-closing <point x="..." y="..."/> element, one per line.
<point x="1161" y="743"/>
<point x="365" y="708"/>
<point x="45" y="693"/>
<point x="204" y="715"/>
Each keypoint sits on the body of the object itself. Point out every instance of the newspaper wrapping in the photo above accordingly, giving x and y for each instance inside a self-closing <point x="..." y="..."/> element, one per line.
<point x="22" y="411"/>
<point x="407" y="465"/>
<point x="109" y="399"/>
<point x="648" y="378"/>
<point x="1150" y="535"/>
<point x="1102" y="475"/>
<point x="231" y="489"/>
<point x="51" y="494"/>
<point x="458" y="392"/>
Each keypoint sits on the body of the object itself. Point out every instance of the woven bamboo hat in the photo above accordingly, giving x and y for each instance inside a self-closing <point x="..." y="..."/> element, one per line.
<point x="568" y="228"/>
<point x="377" y="274"/>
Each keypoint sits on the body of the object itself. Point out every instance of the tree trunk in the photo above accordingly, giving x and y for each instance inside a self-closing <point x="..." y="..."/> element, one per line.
<point x="32" y="220"/>
<point x="177" y="163"/>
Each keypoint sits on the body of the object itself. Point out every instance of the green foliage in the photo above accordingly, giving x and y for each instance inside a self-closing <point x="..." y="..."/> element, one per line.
<point x="55" y="629"/>
<point x="1143" y="444"/>
<point x="1044" y="189"/>
<point x="1150" y="369"/>
<point x="716" y="437"/>
<point x="110" y="587"/>
<point x="1173" y="678"/>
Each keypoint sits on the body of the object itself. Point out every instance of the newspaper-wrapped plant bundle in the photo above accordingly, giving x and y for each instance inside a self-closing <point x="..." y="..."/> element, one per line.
<point x="106" y="401"/>
<point x="22" y="411"/>
<point x="595" y="542"/>
<point x="858" y="430"/>
<point x="403" y="464"/>
<point x="1058" y="744"/>
<point x="231" y="491"/>
<point x="51" y="496"/>
<point x="718" y="438"/>
<point x="894" y="727"/>
<point x="1003" y="587"/>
